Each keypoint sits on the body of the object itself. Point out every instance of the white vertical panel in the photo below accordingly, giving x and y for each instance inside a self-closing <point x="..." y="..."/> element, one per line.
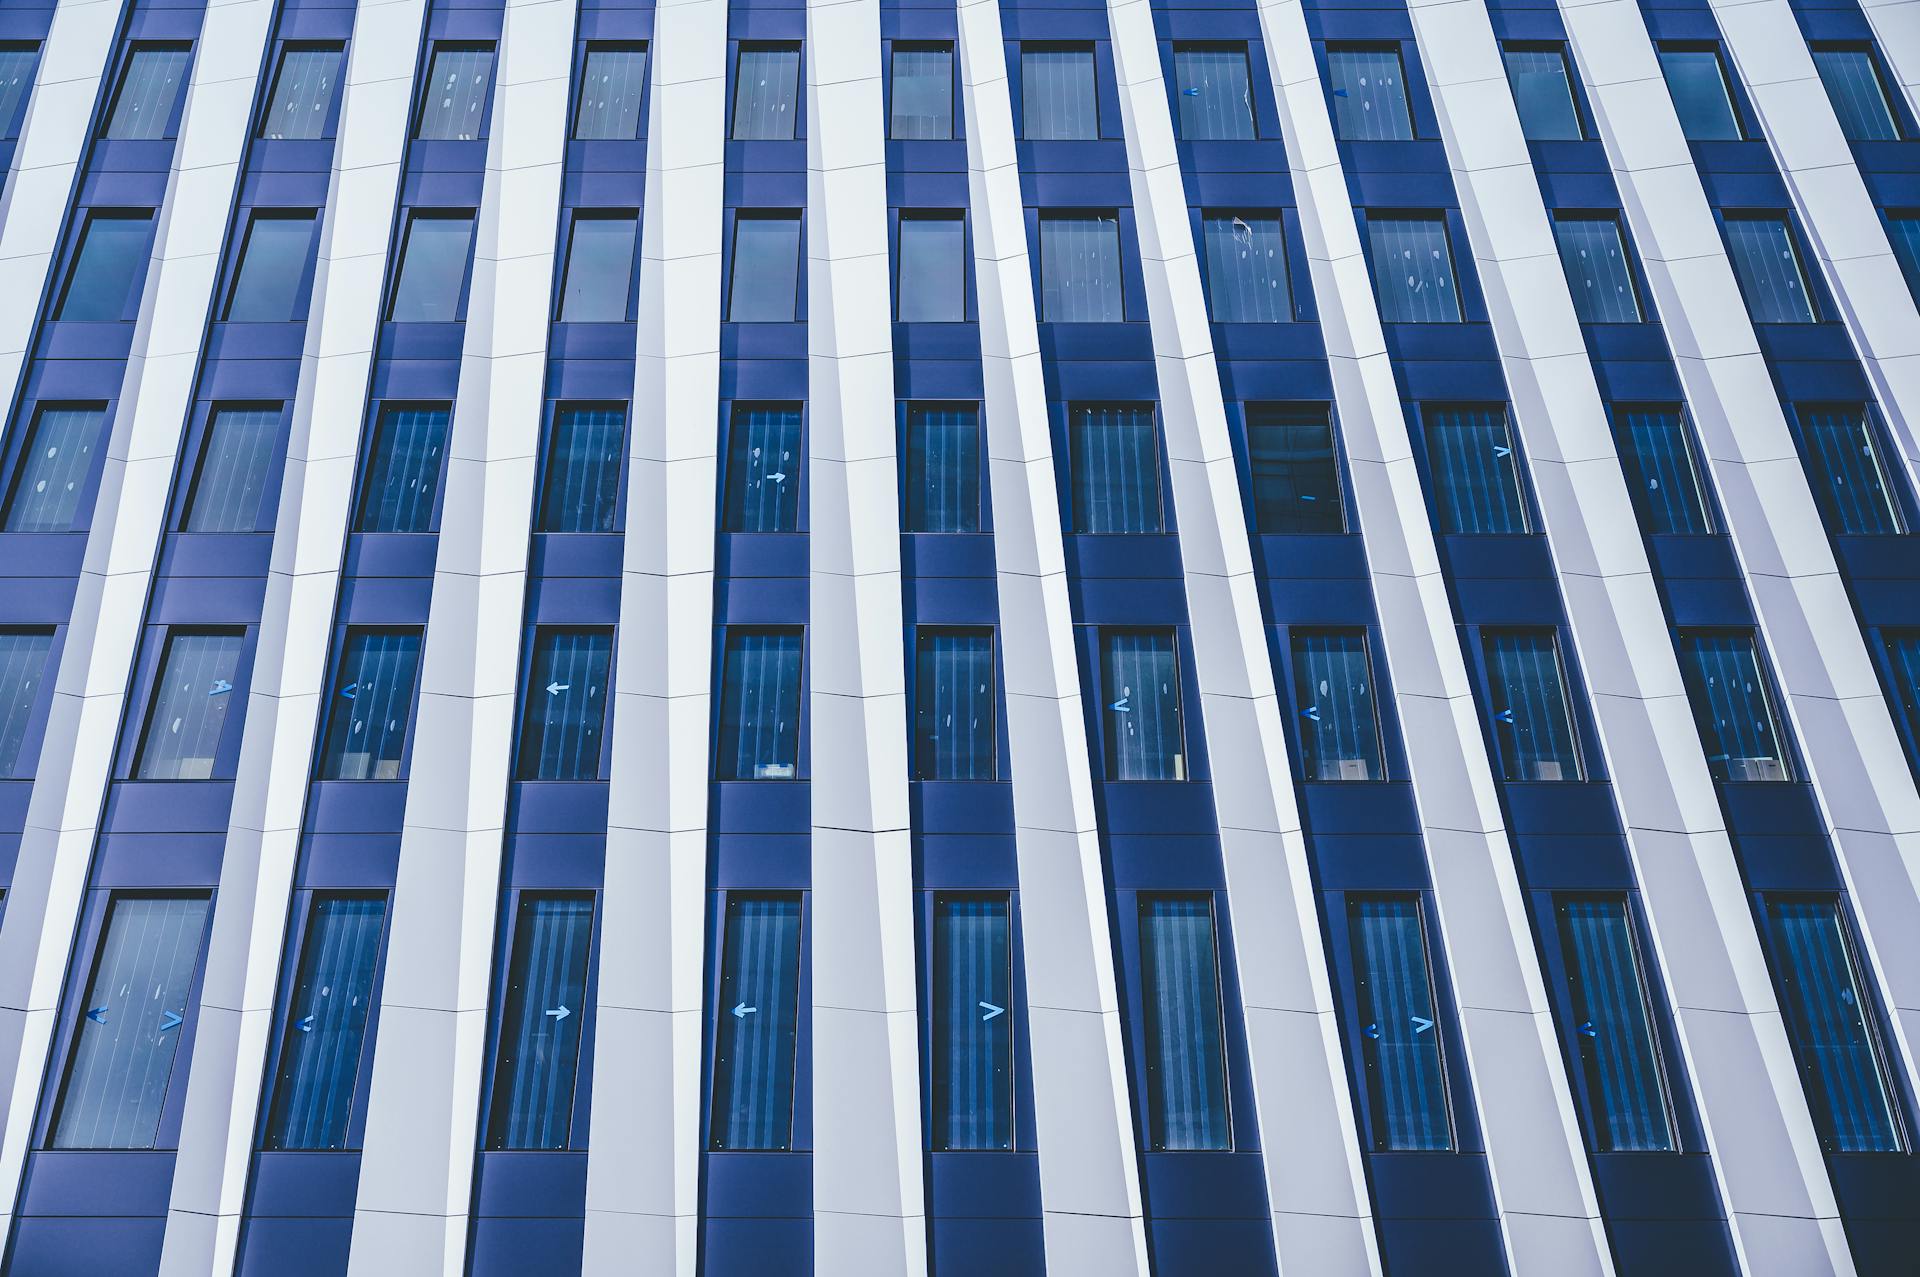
<point x="1896" y="27"/>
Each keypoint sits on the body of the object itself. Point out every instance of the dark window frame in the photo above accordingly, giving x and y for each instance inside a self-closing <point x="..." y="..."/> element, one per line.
<point x="424" y="86"/>
<point x="330" y="126"/>
<point x="371" y="438"/>
<point x="195" y="453"/>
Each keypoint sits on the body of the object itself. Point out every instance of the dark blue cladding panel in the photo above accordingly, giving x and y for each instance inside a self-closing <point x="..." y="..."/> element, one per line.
<point x="758" y="1247"/>
<point x="86" y="1247"/>
<point x="1205" y="1248"/>
<point x="1003" y="1247"/>
<point x="513" y="1247"/>
<point x="280" y="1247"/>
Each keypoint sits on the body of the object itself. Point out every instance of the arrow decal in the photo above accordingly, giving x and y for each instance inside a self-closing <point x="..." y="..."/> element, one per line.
<point x="554" y="689"/>
<point x="559" y="1013"/>
<point x="98" y="1015"/>
<point x="1420" y="1024"/>
<point x="170" y="1020"/>
<point x="1501" y="450"/>
<point x="1122" y="705"/>
<point x="1505" y="716"/>
<point x="304" y="1024"/>
<point x="1589" y="1030"/>
<point x="350" y="690"/>
<point x="1312" y="712"/>
<point x="219" y="686"/>
<point x="1371" y="1031"/>
<point x="741" y="1011"/>
<point x="991" y="1011"/>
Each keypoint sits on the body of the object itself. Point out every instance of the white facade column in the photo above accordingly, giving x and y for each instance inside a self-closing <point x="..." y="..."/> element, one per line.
<point x="1896" y="28"/>
<point x="416" y="1174"/>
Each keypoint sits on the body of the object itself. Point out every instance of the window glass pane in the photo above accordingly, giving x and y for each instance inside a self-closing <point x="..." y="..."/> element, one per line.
<point x="1295" y="469"/>
<point x="943" y="470"/>
<point x="1369" y="94"/>
<point x="266" y="288"/>
<point x="1768" y="267"/>
<point x="1533" y="722"/>
<point x="763" y="469"/>
<point x="565" y="705"/>
<point x="302" y="94"/>
<point x="1626" y="1087"/>
<point x="130" y="1024"/>
<point x="764" y="93"/>
<point x="1903" y="232"/>
<point x="760" y="707"/>
<point x="1247" y="270"/>
<point x="582" y="490"/>
<point x="972" y="1030"/>
<point x="57" y="463"/>
<point x="454" y="99"/>
<point x="1700" y="97"/>
<point x="23" y="663"/>
<point x="1476" y="477"/>
<point x="1412" y="269"/>
<point x="371" y="704"/>
<point x="1141" y="678"/>
<point x="766" y="269"/>
<point x="933" y="270"/>
<point x="403" y="479"/>
<point x="1903" y="657"/>
<point x="233" y="470"/>
<point x="1212" y="93"/>
<point x="327" y="1023"/>
<point x="758" y="1016"/>
<point x="1733" y="708"/>
<point x="17" y="63"/>
<point x="1186" y="1060"/>
<point x="1543" y="94"/>
<point x="545" y="1002"/>
<point x="1115" y="470"/>
<point x="149" y="87"/>
<point x="433" y="269"/>
<point x="108" y="267"/>
<point x="1057" y="101"/>
<point x="1333" y="691"/>
<point x="1080" y="270"/>
<point x="1656" y="452"/>
<point x="599" y="270"/>
<point x="610" y="89"/>
<point x="1859" y="99"/>
<point x="922" y="104"/>
<point x="953" y="721"/>
<point x="1851" y="485"/>
<point x="1831" y="1019"/>
<point x="1597" y="272"/>
<point x="191" y="696"/>
<point x="1399" y="1031"/>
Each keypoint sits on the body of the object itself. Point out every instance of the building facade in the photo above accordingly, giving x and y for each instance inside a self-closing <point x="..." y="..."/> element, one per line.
<point x="1092" y="637"/>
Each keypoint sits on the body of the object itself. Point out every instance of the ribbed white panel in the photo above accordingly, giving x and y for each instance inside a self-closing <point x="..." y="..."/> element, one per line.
<point x="643" y="1170"/>
<point x="1548" y="1212"/>
<point x="1083" y="1115"/>
<point x="416" y="1174"/>
<point x="1772" y="1178"/>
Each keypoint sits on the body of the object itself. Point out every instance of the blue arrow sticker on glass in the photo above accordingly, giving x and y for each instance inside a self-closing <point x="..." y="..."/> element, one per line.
<point x="1420" y="1024"/>
<point x="170" y="1020"/>
<point x="220" y="686"/>
<point x="741" y="1010"/>
<point x="304" y="1024"/>
<point x="1312" y="712"/>
<point x="1372" y="1031"/>
<point x="1122" y="705"/>
<point x="349" y="690"/>
<point x="98" y="1015"/>
<point x="1588" y="1030"/>
<point x="991" y="1011"/>
<point x="1505" y="716"/>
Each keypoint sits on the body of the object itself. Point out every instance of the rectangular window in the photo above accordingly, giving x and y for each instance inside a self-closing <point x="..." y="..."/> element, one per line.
<point x="23" y="664"/>
<point x="150" y="86"/>
<point x="1339" y="714"/>
<point x="1476" y="475"/>
<point x="301" y="103"/>
<point x="130" y="1023"/>
<point x="763" y="468"/>
<point x="1247" y="270"/>
<point x="1295" y="469"/>
<point x="766" y="268"/>
<point x="370" y="705"/>
<point x="104" y="282"/>
<point x="537" y="1061"/>
<point x="1613" y="1027"/>
<point x="453" y="102"/>
<point x="1399" y="1029"/>
<point x="326" y="1031"/>
<point x="1850" y="482"/>
<point x="972" y="1027"/>
<point x="582" y="488"/>
<point x="1057" y="98"/>
<point x="758" y="1018"/>
<point x="1831" y="1021"/>
<point x="932" y="287"/>
<point x="922" y="92"/>
<point x="943" y="469"/>
<point x="1213" y="91"/>
<point x="1186" y="1056"/>
<point x="1413" y="268"/>
<point x="1598" y="274"/>
<point x="191" y="696"/>
<point x="598" y="281"/>
<point x="765" y="92"/>
<point x="17" y="64"/>
<point x="273" y="265"/>
<point x="1859" y="98"/>
<point x="1701" y="98"/>
<point x="1733" y="708"/>
<point x="1115" y="469"/>
<point x="953" y="720"/>
<point x="1543" y="92"/>
<point x="403" y="479"/>
<point x="1903" y="233"/>
<point x="56" y="468"/>
<point x="1080" y="269"/>
<point x="1903" y="659"/>
<point x="433" y="269"/>
<point x="1767" y="264"/>
<point x="1656" y="452"/>
<point x="232" y="480"/>
<point x="1532" y="717"/>
<point x="759" y="737"/>
<point x="564" y="706"/>
<point x="1140" y="676"/>
<point x="1369" y="93"/>
<point x="611" y="85"/>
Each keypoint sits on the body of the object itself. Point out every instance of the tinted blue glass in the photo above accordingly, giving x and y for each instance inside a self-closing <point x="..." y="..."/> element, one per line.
<point x="453" y="101"/>
<point x="192" y="695"/>
<point x="1533" y="722"/>
<point x="1903" y="660"/>
<point x="953" y="719"/>
<point x="150" y="86"/>
<point x="599" y="270"/>
<point x="1903" y="232"/>
<point x="763" y="469"/>
<point x="582" y="490"/>
<point x="564" y="707"/>
<point x="1597" y="271"/>
<point x="1211" y="92"/>
<point x="1851" y="484"/>
<point x="1768" y="267"/>
<point x="610" y="92"/>
<point x="759" y="736"/>
<point x="273" y="264"/>
<point x="1476" y="475"/>
<point x="1412" y="269"/>
<point x="233" y="470"/>
<point x="55" y="468"/>
<point x="1698" y="84"/>
<point x="370" y="703"/>
<point x="544" y="1006"/>
<point x="23" y="664"/>
<point x="1334" y="695"/>
<point x="757" y="1018"/>
<point x="1656" y="452"/>
<point x="1626" y="1086"/>
<point x="1369" y="93"/>
<point x="433" y="269"/>
<point x="1186" y="1059"/>
<point x="1057" y="101"/>
<point x="327" y="1011"/>
<point x="1140" y="678"/>
<point x="17" y="63"/>
<point x="766" y="269"/>
<point x="1859" y="99"/>
<point x="922" y="92"/>
<point x="403" y="479"/>
<point x="1080" y="269"/>
<point x="1295" y="469"/>
<point x="972" y="1023"/>
<point x="932" y="287"/>
<point x="943" y="470"/>
<point x="1399" y="1030"/>
<point x="1543" y="93"/>
<point x="108" y="267"/>
<point x="1247" y="270"/>
<point x="303" y="91"/>
<point x="1733" y="708"/>
<point x="765" y="93"/>
<point x="1115" y="470"/>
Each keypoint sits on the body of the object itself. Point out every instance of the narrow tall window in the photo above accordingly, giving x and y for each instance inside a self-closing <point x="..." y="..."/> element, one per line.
<point x="273" y="265"/>
<point x="1542" y="92"/>
<point x="1057" y="99"/>
<point x="1080" y="269"/>
<point x="433" y="269"/>
<point x="1767" y="264"/>
<point x="766" y="268"/>
<point x="1859" y="97"/>
<point x="1733" y="708"/>
<point x="537" y="1061"/>
<point x="953" y="719"/>
<point x="1140" y="677"/>
<point x="403" y="479"/>
<point x="1701" y="98"/>
<point x="1213" y="92"/>
<point x="1850" y="482"/>
<point x="943" y="469"/>
<point x="1476" y="476"/>
<point x="1399" y="1029"/>
<point x="599" y="274"/>
<point x="453" y="102"/>
<point x="234" y="464"/>
<point x="764" y="454"/>
<point x="1115" y="469"/>
<point x="1413" y="268"/>
<point x="759" y="736"/>
<point x="1595" y="260"/>
<point x="1656" y="452"/>
<point x="301" y="103"/>
<point x="1369" y="93"/>
<point x="922" y="92"/>
<point x="150" y="87"/>
<point x="764" y="92"/>
<point x="564" y="707"/>
<point x="1613" y="1027"/>
<point x="758" y="1019"/>
<point x="130" y="1023"/>
<point x="972" y="1023"/>
<point x="23" y="664"/>
<point x="611" y="85"/>
<point x="17" y="63"/>
<point x="1903" y="659"/>
<point x="1247" y="270"/>
<point x="192" y="695"/>
<point x="370" y="703"/>
<point x="1339" y="713"/>
<point x="1532" y="717"/>
<point x="1186" y="1057"/>
<point x="1903" y="233"/>
<point x="582" y="488"/>
<point x="932" y="286"/>
<point x="104" y="283"/>
<point x="1295" y="469"/>
<point x="55" y="468"/>
<point x="326" y="1029"/>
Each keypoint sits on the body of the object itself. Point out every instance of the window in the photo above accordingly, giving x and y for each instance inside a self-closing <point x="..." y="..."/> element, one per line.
<point x="1295" y="469"/>
<point x="611" y="85"/>
<point x="759" y="706"/>
<point x="273" y="266"/>
<point x="932" y="287"/>
<point x="17" y="63"/>
<point x="564" y="707"/>
<point x="1543" y="92"/>
<point x="1215" y="99"/>
<point x="1613" y="1027"/>
<point x="1369" y="93"/>
<point x="1701" y="97"/>
<point x="1247" y="269"/>
<point x="1080" y="268"/>
<point x="1476" y="476"/>
<point x="943" y="468"/>
<point x="758" y="1017"/>
<point x="1733" y="708"/>
<point x="764" y="102"/>
<point x="1186" y="1057"/>
<point x="766" y="268"/>
<point x="1903" y="234"/>
<point x="1656" y="452"/>
<point x="1903" y="658"/>
<point x="599" y="275"/>
<point x="370" y="705"/>
<point x="1850" y="482"/>
<point x="150" y="85"/>
<point x="453" y="102"/>
<point x="191" y="696"/>
<point x="922" y="96"/>
<point x="403" y="479"/>
<point x="972" y="1025"/>
<point x="1768" y="267"/>
<point x="103" y="284"/>
<point x="1141" y="678"/>
<point x="56" y="467"/>
<point x="325" y="1037"/>
<point x="1339" y="716"/>
<point x="1858" y="96"/>
<point x="1831" y="1022"/>
<point x="1413" y="268"/>
<point x="582" y="488"/>
<point x="1400" y="1031"/>
<point x="234" y="464"/>
<point x="23" y="664"/>
<point x="1115" y="465"/>
<point x="121" y="1067"/>
<point x="953" y="720"/>
<point x="763" y="468"/>
<point x="1595" y="259"/>
<point x="537" y="1059"/>
<point x="1057" y="99"/>
<point x="1532" y="717"/>
<point x="301" y="104"/>
<point x="433" y="269"/>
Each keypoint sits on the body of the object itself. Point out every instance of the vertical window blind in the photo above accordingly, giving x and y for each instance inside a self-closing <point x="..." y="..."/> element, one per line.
<point x="564" y="707"/>
<point x="582" y="488"/>
<point x="17" y="63"/>
<point x="1656" y="451"/>
<point x="764" y="92"/>
<point x="1140" y="678"/>
<point x="1533" y="721"/>
<point x="1413" y="269"/>
<point x="403" y="479"/>
<point x="1333" y="690"/>
<point x="1295" y="469"/>
<point x="454" y="100"/>
<point x="1399" y="1029"/>
<point x="370" y="706"/>
<point x="1057" y="97"/>
<point x="1115" y="469"/>
<point x="1369" y="93"/>
<point x="1852" y="486"/>
<point x="1543" y="93"/>
<point x="1903" y="233"/>
<point x="1733" y="708"/>
<point x="538" y="1056"/>
<point x="1246" y="270"/>
<point x="1768" y="267"/>
<point x="192" y="695"/>
<point x="758" y="1015"/>
<point x="1595" y="261"/>
<point x="1476" y="472"/>
<point x="1626" y="1084"/>
<point x="1212" y="92"/>
<point x="759" y="736"/>
<point x="303" y="93"/>
<point x="1903" y="658"/>
<point x="972" y="1023"/>
<point x="1859" y="99"/>
<point x="954" y="733"/>
<point x="922" y="105"/>
<point x="327" y="1023"/>
<point x="611" y="86"/>
<point x="1080" y="269"/>
<point x="943" y="469"/>
<point x="1186" y="1057"/>
<point x="150" y="86"/>
<point x="234" y="465"/>
<point x="763" y="469"/>
<point x="23" y="664"/>
<point x="56" y="468"/>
